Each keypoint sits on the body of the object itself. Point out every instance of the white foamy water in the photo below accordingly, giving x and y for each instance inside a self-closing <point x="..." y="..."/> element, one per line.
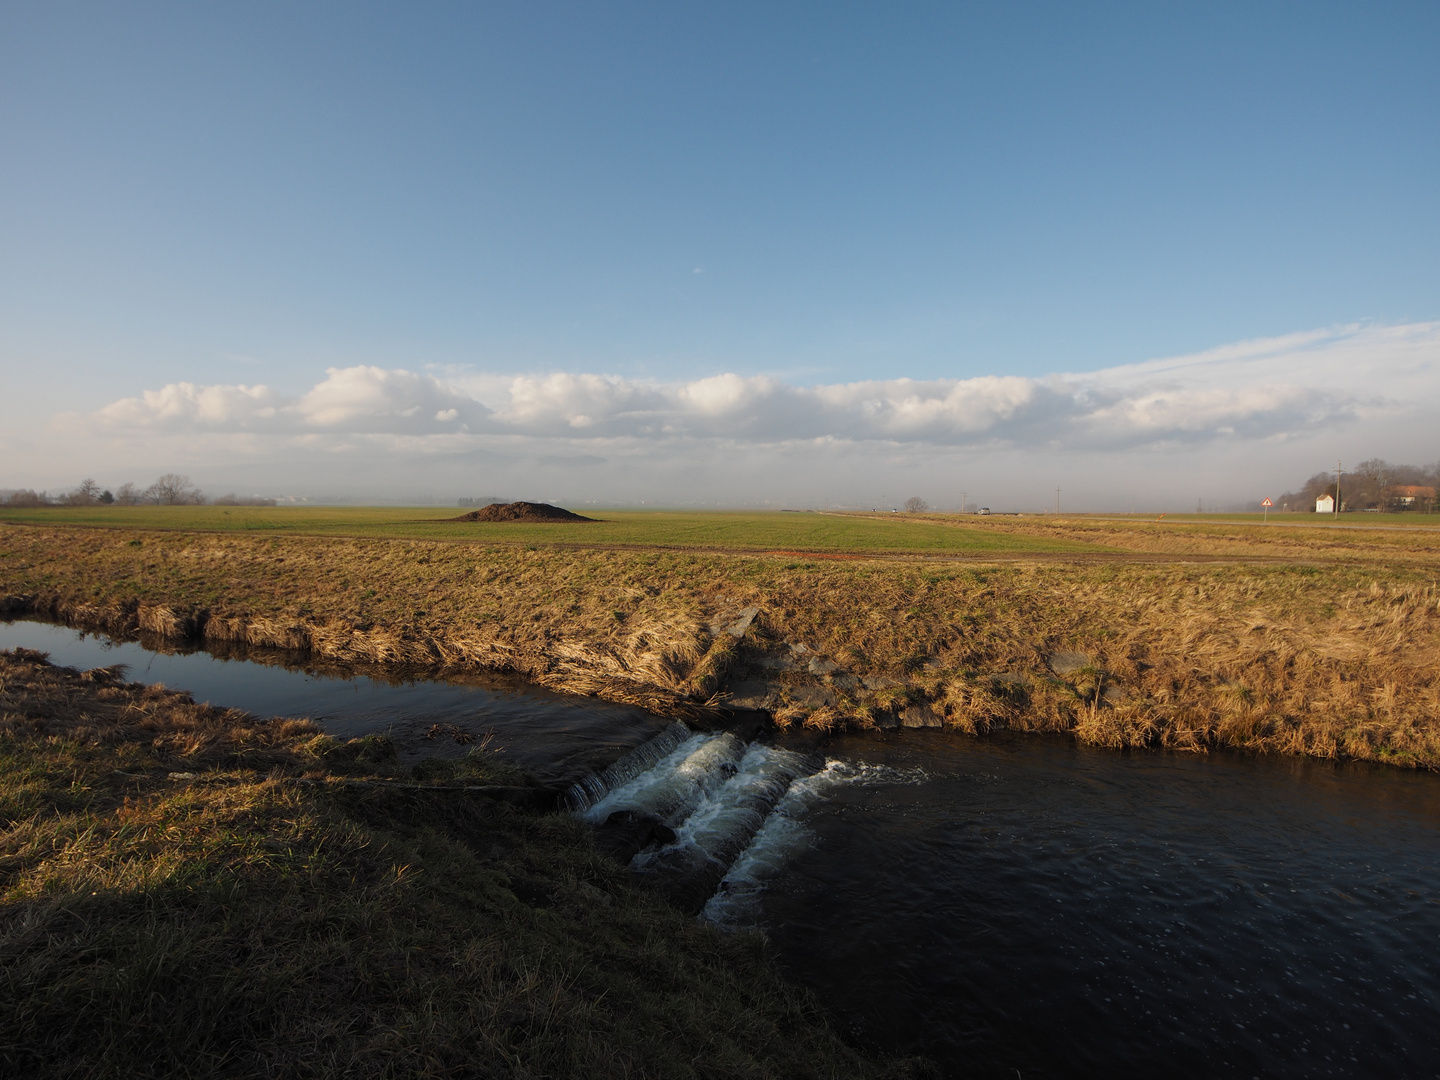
<point x="589" y="790"/>
<point x="677" y="783"/>
<point x="737" y="810"/>
<point x="783" y="835"/>
<point x="725" y="818"/>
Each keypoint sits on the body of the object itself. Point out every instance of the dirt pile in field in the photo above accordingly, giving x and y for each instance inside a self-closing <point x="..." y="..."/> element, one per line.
<point x="521" y="511"/>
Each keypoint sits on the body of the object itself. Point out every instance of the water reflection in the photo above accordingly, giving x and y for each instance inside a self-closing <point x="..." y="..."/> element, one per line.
<point x="558" y="737"/>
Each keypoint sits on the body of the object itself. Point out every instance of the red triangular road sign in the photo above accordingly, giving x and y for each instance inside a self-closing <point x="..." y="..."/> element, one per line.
<point x="1267" y="502"/>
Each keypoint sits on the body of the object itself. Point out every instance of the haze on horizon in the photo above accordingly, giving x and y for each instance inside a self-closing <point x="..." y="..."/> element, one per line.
<point x="824" y="255"/>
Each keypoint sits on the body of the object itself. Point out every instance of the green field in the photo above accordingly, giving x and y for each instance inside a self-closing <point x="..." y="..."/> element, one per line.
<point x="732" y="530"/>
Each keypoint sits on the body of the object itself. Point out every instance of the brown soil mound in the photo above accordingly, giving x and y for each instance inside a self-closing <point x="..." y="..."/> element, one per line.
<point x="521" y="511"/>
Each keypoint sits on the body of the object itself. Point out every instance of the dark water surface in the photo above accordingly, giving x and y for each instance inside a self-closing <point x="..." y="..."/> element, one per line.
<point x="1039" y="907"/>
<point x="559" y="737"/>
<point x="1012" y="906"/>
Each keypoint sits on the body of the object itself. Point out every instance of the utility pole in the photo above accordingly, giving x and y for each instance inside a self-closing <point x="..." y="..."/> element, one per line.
<point x="1057" y="500"/>
<point x="963" y="496"/>
<point x="1337" y="488"/>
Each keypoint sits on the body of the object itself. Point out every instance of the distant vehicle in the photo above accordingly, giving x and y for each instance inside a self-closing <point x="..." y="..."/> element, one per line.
<point x="984" y="510"/>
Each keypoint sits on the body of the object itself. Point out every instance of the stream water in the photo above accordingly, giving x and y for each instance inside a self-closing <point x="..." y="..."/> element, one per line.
<point x="558" y="737"/>
<point x="1035" y="906"/>
<point x="1004" y="907"/>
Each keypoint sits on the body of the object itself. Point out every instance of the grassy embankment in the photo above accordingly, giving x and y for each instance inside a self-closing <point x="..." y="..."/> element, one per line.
<point x="1190" y="634"/>
<point x="189" y="891"/>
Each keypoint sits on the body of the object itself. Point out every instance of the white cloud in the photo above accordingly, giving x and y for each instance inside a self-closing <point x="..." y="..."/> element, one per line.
<point x="372" y="399"/>
<point x="349" y="400"/>
<point x="1268" y="389"/>
<point x="186" y="405"/>
<point x="1277" y="400"/>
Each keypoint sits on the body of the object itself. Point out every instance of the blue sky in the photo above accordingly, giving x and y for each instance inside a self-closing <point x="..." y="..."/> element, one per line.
<point x="819" y="194"/>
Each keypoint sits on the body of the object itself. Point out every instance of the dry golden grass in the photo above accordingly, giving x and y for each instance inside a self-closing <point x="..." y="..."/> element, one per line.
<point x="1332" y="655"/>
<point x="184" y="891"/>
<point x="1415" y="539"/>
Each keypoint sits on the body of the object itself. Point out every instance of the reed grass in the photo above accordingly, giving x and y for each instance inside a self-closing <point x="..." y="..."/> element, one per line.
<point x="190" y="891"/>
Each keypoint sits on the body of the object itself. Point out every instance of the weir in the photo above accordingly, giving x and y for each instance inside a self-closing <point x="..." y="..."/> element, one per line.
<point x="711" y="793"/>
<point x="589" y="790"/>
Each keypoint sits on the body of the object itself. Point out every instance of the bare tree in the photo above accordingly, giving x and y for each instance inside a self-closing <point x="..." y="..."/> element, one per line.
<point x="87" y="494"/>
<point x="172" y="489"/>
<point x="1371" y="483"/>
<point x="916" y="505"/>
<point x="129" y="495"/>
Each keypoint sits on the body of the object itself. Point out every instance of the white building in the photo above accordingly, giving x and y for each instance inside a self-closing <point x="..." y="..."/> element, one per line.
<point x="1325" y="504"/>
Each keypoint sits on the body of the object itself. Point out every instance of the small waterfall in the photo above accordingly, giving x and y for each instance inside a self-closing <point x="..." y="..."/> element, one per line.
<point x="712" y="790"/>
<point x="677" y="783"/>
<point x="585" y="793"/>
<point x="722" y="823"/>
<point x="783" y="834"/>
<point x="735" y="811"/>
<point x="777" y="840"/>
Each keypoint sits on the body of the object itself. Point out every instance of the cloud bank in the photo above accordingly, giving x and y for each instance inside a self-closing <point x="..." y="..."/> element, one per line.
<point x="1273" y="389"/>
<point x="355" y="400"/>
<point x="1374" y="389"/>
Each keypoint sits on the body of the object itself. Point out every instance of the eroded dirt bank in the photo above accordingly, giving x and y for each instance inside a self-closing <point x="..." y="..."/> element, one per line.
<point x="1331" y="660"/>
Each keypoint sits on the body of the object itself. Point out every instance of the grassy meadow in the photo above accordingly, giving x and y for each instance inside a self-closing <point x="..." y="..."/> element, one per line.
<point x="1130" y="633"/>
<point x="735" y="530"/>
<point x="1288" y="536"/>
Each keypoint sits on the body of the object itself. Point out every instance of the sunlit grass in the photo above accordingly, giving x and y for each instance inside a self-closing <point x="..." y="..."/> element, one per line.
<point x="1296" y="640"/>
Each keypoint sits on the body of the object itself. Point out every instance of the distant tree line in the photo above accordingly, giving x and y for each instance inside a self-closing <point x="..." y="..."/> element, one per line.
<point x="172" y="489"/>
<point x="1372" y="485"/>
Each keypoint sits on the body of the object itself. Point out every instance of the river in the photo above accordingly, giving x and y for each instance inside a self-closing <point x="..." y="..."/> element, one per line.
<point x="1003" y="906"/>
